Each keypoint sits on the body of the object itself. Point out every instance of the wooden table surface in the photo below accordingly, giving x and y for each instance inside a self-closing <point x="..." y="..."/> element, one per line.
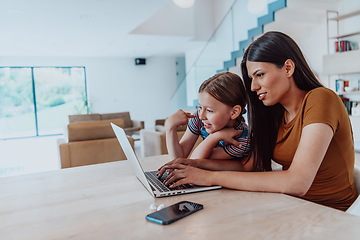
<point x="106" y="201"/>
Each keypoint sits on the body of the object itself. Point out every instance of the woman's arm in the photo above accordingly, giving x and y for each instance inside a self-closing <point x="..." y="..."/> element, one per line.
<point x="245" y="164"/>
<point x="314" y="142"/>
<point x="242" y="165"/>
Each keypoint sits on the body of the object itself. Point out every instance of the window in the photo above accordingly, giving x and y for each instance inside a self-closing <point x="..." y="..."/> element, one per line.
<point x="36" y="101"/>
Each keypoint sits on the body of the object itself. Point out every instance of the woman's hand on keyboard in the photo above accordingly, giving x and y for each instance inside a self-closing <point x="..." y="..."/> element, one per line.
<point x="186" y="174"/>
<point x="168" y="166"/>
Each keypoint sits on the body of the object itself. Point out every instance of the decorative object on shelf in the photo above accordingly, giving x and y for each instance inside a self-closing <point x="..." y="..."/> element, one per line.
<point x="184" y="3"/>
<point x="355" y="109"/>
<point x="343" y="87"/>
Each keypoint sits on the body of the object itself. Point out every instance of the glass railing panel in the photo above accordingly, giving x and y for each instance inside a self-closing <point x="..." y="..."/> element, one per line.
<point x="245" y="17"/>
<point x="210" y="59"/>
<point x="234" y="28"/>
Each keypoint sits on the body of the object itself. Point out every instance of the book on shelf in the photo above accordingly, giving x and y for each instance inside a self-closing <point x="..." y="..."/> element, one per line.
<point x="345" y="45"/>
<point x="347" y="104"/>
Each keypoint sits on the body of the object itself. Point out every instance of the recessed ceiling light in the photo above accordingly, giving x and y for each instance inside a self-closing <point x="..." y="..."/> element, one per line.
<point x="184" y="3"/>
<point x="256" y="6"/>
<point x="85" y="16"/>
<point x="16" y="12"/>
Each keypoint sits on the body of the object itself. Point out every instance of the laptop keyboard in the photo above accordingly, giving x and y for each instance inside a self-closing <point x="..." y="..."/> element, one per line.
<point x="158" y="182"/>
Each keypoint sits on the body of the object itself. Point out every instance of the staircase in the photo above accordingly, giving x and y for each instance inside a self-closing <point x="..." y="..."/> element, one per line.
<point x="254" y="32"/>
<point x="303" y="20"/>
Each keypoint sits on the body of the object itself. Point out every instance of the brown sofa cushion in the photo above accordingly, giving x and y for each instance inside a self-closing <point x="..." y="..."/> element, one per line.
<point x="160" y="122"/>
<point x="84" y="117"/>
<point x="122" y="115"/>
<point x="91" y="152"/>
<point x="80" y="131"/>
<point x="163" y="141"/>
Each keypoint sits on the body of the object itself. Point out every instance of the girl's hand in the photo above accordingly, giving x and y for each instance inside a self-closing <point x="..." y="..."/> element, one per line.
<point x="183" y="161"/>
<point x="179" y="118"/>
<point x="186" y="174"/>
<point x="228" y="134"/>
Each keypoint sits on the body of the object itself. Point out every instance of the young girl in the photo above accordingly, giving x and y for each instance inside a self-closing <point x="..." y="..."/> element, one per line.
<point x="222" y="100"/>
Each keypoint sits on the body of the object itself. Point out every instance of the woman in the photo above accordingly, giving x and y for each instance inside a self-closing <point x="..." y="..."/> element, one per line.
<point x="295" y="122"/>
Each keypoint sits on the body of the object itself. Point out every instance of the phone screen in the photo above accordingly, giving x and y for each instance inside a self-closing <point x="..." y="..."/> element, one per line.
<point x="174" y="212"/>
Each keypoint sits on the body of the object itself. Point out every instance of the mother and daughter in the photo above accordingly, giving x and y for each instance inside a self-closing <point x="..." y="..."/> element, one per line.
<point x="293" y="121"/>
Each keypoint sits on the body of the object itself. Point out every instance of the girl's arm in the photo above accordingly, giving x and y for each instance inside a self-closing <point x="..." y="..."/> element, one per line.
<point x="314" y="142"/>
<point x="207" y="148"/>
<point x="175" y="147"/>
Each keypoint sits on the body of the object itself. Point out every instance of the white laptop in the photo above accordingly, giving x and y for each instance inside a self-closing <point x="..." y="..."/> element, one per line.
<point x="149" y="179"/>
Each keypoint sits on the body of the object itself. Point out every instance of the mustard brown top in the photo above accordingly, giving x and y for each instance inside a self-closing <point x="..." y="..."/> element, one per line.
<point x="333" y="185"/>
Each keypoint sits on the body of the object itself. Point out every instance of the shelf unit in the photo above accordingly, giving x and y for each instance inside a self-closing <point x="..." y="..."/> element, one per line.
<point x="343" y="17"/>
<point x="357" y="92"/>
<point x="342" y="63"/>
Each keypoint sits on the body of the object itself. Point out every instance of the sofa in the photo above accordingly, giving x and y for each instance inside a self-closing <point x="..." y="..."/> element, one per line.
<point x="160" y="126"/>
<point x="130" y="126"/>
<point x="90" y="142"/>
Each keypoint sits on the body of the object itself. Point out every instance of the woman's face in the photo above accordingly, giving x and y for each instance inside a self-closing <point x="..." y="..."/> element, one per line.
<point x="270" y="83"/>
<point x="214" y="114"/>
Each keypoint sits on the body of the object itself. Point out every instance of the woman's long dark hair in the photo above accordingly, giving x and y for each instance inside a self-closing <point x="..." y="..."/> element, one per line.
<point x="264" y="121"/>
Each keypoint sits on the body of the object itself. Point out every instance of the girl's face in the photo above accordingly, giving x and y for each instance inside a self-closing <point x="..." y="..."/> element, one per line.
<point x="214" y="114"/>
<point x="269" y="82"/>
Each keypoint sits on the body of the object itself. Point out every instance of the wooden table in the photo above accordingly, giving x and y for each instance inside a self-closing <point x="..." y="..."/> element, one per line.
<point x="106" y="201"/>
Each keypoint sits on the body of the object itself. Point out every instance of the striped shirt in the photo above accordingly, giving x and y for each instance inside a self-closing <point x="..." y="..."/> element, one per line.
<point x="196" y="126"/>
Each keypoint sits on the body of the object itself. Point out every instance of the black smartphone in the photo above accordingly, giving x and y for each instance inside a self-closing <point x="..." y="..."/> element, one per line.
<point x="174" y="212"/>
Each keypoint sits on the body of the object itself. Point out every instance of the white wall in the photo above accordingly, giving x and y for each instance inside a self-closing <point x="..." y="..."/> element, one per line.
<point x="116" y="84"/>
<point x="305" y="21"/>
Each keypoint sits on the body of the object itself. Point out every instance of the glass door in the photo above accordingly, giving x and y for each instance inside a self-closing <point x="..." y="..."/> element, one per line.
<point x="60" y="92"/>
<point x="16" y="103"/>
<point x="36" y="101"/>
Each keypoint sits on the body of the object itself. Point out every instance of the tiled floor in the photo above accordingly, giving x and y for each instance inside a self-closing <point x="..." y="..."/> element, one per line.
<point x="31" y="155"/>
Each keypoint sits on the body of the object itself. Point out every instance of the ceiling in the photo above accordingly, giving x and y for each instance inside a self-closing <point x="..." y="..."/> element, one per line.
<point x="95" y="28"/>
<point x="106" y="28"/>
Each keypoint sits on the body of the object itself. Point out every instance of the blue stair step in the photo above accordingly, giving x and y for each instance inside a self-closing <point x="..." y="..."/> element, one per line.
<point x="252" y="33"/>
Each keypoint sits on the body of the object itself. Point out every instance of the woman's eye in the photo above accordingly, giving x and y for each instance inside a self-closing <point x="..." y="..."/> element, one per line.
<point x="260" y="74"/>
<point x="210" y="111"/>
